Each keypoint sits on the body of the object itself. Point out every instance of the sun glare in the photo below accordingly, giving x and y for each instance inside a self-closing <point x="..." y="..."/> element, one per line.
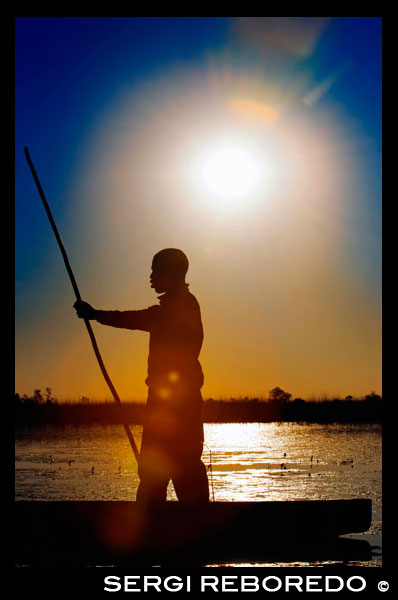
<point x="230" y="173"/>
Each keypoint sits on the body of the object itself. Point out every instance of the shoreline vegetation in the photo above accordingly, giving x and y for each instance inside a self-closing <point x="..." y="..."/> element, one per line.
<point x="42" y="409"/>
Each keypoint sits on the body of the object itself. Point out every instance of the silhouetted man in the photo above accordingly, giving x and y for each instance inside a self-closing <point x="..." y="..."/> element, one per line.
<point x="172" y="439"/>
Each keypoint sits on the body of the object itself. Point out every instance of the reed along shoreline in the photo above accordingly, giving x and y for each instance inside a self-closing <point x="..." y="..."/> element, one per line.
<point x="246" y="410"/>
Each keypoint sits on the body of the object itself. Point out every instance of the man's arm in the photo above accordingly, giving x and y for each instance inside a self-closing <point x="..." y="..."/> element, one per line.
<point x="127" y="319"/>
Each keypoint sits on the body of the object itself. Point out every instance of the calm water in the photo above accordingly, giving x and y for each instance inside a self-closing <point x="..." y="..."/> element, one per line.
<point x="96" y="463"/>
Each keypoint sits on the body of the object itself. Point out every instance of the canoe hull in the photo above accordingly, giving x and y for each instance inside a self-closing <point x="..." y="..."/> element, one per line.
<point x="98" y="532"/>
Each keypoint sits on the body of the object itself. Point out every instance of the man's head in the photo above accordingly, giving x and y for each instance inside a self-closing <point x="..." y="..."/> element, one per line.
<point x="169" y="267"/>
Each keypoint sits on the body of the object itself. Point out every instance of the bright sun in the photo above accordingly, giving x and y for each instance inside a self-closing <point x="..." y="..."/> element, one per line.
<point x="230" y="172"/>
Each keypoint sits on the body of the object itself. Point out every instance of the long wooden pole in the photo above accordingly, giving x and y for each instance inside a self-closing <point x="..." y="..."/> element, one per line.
<point x="78" y="297"/>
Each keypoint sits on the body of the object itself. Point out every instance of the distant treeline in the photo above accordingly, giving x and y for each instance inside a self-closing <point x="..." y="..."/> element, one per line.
<point x="278" y="407"/>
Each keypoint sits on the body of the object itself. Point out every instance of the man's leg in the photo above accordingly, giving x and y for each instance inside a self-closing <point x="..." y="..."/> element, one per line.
<point x="152" y="490"/>
<point x="190" y="477"/>
<point x="154" y="473"/>
<point x="191" y="483"/>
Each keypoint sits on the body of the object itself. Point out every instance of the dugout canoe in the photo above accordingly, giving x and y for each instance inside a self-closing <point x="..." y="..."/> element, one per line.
<point x="120" y="532"/>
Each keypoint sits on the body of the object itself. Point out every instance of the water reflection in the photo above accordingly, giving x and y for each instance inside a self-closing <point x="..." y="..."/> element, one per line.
<point x="273" y="461"/>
